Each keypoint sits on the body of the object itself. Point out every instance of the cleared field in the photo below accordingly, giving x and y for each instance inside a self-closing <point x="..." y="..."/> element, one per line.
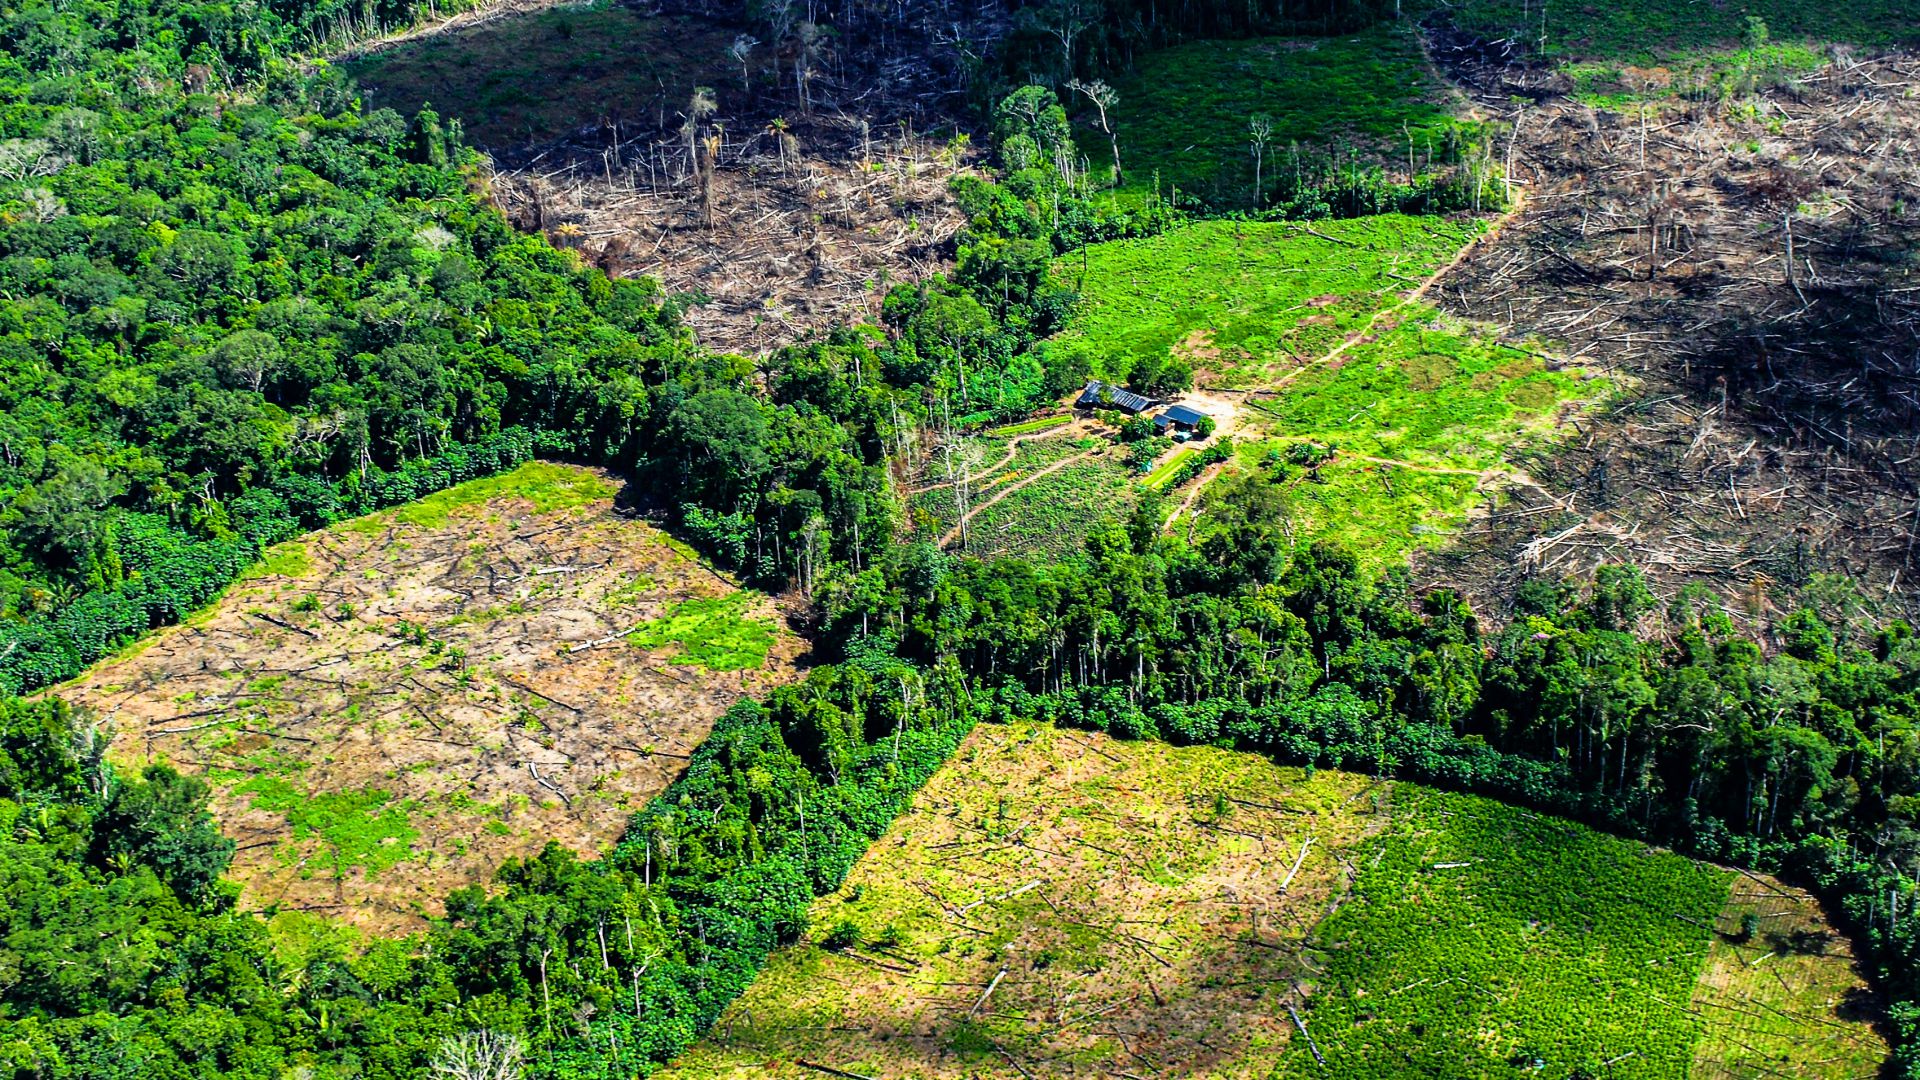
<point x="1062" y="904"/>
<point x="389" y="708"/>
<point x="1780" y="996"/>
<point x="581" y="109"/>
<point x="1313" y="331"/>
<point x="534" y="78"/>
<point x="1039" y="491"/>
<point x="1652" y="31"/>
<point x="1184" y="112"/>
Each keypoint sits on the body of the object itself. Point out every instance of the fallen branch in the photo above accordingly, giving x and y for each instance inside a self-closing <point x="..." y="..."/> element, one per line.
<point x="1311" y="1045"/>
<point x="1297" y="862"/>
<point x="530" y="690"/>
<point x="987" y="993"/>
<point x="830" y="1070"/>
<point x="534" y="770"/>
<point x="599" y="641"/>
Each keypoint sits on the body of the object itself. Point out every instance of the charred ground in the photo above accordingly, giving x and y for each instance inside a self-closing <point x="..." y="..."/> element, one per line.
<point x="1743" y="264"/>
<point x="782" y="189"/>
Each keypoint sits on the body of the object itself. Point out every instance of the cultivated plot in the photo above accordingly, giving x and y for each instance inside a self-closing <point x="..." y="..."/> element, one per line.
<point x="389" y="708"/>
<point x="1034" y="488"/>
<point x="1062" y="904"/>
<point x="1781" y="995"/>
<point x="1382" y="423"/>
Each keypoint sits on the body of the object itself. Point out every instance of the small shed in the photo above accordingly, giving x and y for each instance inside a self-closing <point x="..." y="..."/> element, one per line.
<point x="1099" y="395"/>
<point x="1181" y="419"/>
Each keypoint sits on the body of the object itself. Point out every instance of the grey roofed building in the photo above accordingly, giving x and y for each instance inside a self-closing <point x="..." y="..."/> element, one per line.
<point x="1100" y="395"/>
<point x="1179" y="416"/>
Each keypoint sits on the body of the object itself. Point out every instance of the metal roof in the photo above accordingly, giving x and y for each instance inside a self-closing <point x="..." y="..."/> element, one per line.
<point x="1098" y="393"/>
<point x="1181" y="414"/>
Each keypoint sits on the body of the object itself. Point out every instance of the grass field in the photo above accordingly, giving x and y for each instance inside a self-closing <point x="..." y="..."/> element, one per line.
<point x="1166" y="469"/>
<point x="534" y="78"/>
<point x="1183" y="112"/>
<point x="1664" y="31"/>
<point x="387" y="709"/>
<point x="1312" y="323"/>
<point x="1060" y="904"/>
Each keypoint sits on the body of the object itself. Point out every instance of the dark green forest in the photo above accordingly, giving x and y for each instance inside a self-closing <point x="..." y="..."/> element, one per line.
<point x="235" y="305"/>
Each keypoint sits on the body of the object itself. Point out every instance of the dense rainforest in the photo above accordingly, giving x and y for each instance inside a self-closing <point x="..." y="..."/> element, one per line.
<point x="234" y="305"/>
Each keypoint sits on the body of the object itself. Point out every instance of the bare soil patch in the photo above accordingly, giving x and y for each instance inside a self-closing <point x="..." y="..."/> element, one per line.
<point x="1740" y="265"/>
<point x="643" y="139"/>
<point x="388" y="709"/>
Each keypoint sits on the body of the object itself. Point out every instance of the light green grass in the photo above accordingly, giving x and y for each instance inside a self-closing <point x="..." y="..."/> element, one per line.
<point x="549" y="486"/>
<point x="365" y="829"/>
<point x="1266" y="307"/>
<point x="712" y="632"/>
<point x="288" y="560"/>
<point x="1184" y="111"/>
<point x="1245" y="302"/>
<point x="1484" y="940"/>
<point x="1159" y="476"/>
<point x="1028" y="427"/>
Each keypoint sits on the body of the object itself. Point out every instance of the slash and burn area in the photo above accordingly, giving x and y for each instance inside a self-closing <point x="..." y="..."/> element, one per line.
<point x="1059" y="903"/>
<point x="388" y="709"/>
<point x="681" y="148"/>
<point x="1743" y="260"/>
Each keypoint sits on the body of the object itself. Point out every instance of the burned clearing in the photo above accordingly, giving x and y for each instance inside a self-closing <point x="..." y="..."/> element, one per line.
<point x="388" y="709"/>
<point x="1741" y="266"/>
<point x="784" y="187"/>
<point x="1061" y="904"/>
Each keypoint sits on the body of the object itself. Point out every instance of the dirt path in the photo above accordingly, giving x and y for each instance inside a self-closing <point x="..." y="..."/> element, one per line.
<point x="954" y="533"/>
<point x="1013" y="450"/>
<point x="1418" y="294"/>
<point x="1230" y="412"/>
<point x="1199" y="483"/>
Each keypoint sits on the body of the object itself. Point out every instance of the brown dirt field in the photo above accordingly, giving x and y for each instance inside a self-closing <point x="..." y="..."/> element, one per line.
<point x="1760" y="997"/>
<point x="1120" y="923"/>
<point x="454" y="716"/>
<point x="1767" y="431"/>
<point x="819" y="203"/>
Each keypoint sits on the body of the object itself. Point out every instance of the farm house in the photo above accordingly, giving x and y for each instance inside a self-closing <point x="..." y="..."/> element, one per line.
<point x="1179" y="420"/>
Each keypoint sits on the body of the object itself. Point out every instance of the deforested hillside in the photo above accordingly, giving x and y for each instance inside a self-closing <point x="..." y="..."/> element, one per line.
<point x="389" y="709"/>
<point x="1057" y="904"/>
<point x="1730" y="229"/>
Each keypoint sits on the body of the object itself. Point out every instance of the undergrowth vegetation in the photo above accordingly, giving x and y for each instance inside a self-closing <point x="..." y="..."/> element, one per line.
<point x="1662" y="31"/>
<point x="1184" y="113"/>
<point x="547" y="486"/>
<point x="715" y="633"/>
<point x="1486" y="940"/>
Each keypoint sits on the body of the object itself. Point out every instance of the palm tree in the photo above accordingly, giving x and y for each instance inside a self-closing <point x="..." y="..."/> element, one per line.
<point x="702" y="105"/>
